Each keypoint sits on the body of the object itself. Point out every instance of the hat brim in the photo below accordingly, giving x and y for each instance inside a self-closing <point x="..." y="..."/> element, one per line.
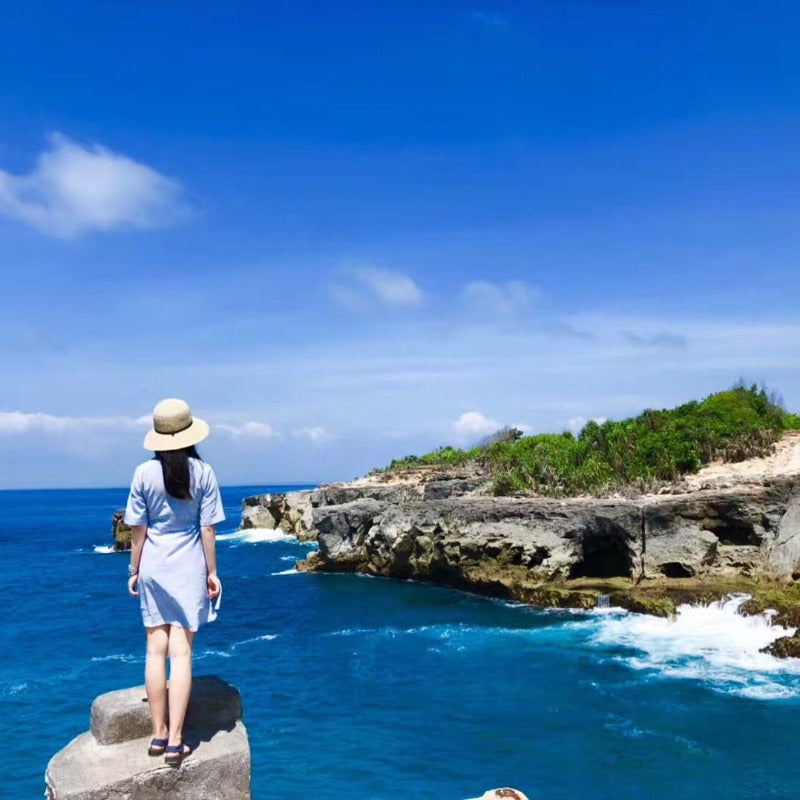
<point x="194" y="434"/>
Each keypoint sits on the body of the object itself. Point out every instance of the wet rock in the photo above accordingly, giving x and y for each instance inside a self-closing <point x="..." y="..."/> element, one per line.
<point x="120" y="532"/>
<point x="784" y="647"/>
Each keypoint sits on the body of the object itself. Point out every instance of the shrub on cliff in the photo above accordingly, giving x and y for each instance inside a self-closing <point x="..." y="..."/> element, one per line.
<point x="742" y="422"/>
<point x="442" y="457"/>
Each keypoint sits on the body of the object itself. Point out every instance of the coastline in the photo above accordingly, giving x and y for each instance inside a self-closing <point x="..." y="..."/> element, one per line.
<point x="729" y="529"/>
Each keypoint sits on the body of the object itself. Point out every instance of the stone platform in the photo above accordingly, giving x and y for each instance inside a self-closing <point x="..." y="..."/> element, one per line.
<point x="110" y="762"/>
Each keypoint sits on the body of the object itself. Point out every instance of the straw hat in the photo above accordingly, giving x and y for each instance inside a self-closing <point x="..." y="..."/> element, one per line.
<point x="174" y="427"/>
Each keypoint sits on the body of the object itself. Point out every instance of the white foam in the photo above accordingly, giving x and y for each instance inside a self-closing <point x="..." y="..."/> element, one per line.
<point x="267" y="637"/>
<point x="384" y="631"/>
<point x="126" y="658"/>
<point x="713" y="644"/>
<point x="206" y="653"/>
<point x="258" y="535"/>
<point x="104" y="549"/>
<point x="290" y="571"/>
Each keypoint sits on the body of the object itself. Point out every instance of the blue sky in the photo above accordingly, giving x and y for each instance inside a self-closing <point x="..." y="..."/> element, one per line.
<point x="349" y="231"/>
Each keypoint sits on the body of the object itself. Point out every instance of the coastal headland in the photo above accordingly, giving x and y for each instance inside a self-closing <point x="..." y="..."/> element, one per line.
<point x="728" y="528"/>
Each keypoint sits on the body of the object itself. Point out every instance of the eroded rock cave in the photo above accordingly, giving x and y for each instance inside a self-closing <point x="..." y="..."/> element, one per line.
<point x="604" y="555"/>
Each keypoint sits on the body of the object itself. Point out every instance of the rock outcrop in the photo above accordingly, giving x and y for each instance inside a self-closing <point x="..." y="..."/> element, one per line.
<point x="110" y="761"/>
<point x="291" y="512"/>
<point x="547" y="551"/>
<point x="732" y="527"/>
<point x="120" y="532"/>
<point x="751" y="531"/>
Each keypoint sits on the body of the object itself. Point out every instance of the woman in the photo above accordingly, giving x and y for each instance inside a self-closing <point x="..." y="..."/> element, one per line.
<point x="172" y="509"/>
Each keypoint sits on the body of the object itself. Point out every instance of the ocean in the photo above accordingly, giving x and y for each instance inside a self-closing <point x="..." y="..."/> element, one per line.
<point x="357" y="687"/>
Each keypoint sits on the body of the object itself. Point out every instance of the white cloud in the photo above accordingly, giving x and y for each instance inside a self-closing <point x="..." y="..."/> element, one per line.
<point x="386" y="286"/>
<point x="576" y="424"/>
<point x="20" y="422"/>
<point x="73" y="189"/>
<point x="473" y="423"/>
<point x="14" y="422"/>
<point x="315" y="434"/>
<point x="394" y="288"/>
<point x="249" y="430"/>
<point x="500" y="299"/>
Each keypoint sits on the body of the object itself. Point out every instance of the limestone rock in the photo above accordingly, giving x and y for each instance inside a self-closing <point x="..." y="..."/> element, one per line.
<point x="502" y="794"/>
<point x="456" y="487"/>
<point x="339" y="494"/>
<point x="784" y="647"/>
<point x="538" y="549"/>
<point x="257" y="513"/>
<point x="120" y="532"/>
<point x="110" y="762"/>
<point x="719" y="532"/>
<point x="783" y="557"/>
<point x="290" y="511"/>
<point x="342" y="531"/>
<point x="123" y="715"/>
<point x="504" y="545"/>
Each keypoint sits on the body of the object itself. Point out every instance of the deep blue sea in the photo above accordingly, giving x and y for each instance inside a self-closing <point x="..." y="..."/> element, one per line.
<point x="370" y="688"/>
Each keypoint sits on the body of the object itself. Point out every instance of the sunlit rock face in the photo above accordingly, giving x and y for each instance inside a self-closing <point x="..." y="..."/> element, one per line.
<point x="472" y="539"/>
<point x="110" y="761"/>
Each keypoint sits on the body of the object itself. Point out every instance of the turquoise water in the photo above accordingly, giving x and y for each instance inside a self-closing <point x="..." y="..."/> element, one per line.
<point x="364" y="687"/>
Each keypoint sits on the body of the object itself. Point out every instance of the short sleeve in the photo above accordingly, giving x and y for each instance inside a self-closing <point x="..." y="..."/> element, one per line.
<point x="136" y="510"/>
<point x="211" y="511"/>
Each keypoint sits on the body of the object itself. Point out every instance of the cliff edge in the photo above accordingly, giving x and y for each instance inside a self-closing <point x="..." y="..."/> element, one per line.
<point x="729" y="527"/>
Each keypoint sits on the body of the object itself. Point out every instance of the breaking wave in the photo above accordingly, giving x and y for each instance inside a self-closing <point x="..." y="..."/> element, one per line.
<point x="257" y="535"/>
<point x="713" y="644"/>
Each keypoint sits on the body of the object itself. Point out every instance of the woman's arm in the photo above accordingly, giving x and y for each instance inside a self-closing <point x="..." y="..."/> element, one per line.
<point x="208" y="534"/>
<point x="137" y="542"/>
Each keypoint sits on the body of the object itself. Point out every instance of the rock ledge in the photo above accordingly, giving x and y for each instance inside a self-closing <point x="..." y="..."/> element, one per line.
<point x="110" y="762"/>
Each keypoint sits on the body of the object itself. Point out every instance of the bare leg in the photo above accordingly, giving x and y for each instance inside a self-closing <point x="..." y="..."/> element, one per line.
<point x="155" y="678"/>
<point x="180" y="679"/>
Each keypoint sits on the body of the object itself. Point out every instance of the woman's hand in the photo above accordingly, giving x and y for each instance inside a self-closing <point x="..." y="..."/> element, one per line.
<point x="214" y="585"/>
<point x="133" y="584"/>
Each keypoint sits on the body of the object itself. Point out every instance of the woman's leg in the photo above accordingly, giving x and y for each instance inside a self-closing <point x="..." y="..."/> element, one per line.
<point x="155" y="678"/>
<point x="180" y="679"/>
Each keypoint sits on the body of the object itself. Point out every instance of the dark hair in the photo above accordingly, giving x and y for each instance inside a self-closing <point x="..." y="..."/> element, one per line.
<point x="175" y="469"/>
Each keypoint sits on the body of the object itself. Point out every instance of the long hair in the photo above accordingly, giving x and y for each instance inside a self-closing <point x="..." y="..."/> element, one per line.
<point x="175" y="469"/>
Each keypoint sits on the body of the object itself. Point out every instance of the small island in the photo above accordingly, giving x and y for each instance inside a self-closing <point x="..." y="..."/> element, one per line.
<point x="681" y="505"/>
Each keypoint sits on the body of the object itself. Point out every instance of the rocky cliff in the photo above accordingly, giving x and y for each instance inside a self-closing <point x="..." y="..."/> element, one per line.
<point x="647" y="552"/>
<point x="518" y="547"/>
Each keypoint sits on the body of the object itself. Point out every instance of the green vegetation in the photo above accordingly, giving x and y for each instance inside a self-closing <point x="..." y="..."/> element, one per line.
<point x="742" y="422"/>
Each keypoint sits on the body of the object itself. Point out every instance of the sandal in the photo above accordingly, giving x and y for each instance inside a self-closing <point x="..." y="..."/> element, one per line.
<point x="157" y="747"/>
<point x="175" y="753"/>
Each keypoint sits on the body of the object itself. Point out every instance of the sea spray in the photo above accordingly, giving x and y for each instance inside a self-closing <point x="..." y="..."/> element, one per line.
<point x="257" y="535"/>
<point x="713" y="643"/>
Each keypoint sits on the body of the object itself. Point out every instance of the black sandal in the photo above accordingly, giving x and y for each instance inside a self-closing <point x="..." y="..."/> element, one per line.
<point x="175" y="753"/>
<point x="157" y="747"/>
